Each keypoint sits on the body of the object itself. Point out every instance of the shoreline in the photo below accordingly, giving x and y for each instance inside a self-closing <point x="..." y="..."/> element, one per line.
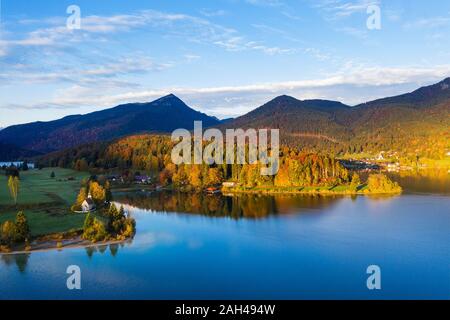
<point x="73" y="243"/>
<point x="275" y="190"/>
<point x="306" y="192"/>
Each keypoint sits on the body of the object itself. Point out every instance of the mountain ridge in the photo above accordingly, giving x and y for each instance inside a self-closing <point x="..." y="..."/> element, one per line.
<point x="438" y="92"/>
<point x="159" y="116"/>
<point x="410" y="121"/>
<point x="415" y="116"/>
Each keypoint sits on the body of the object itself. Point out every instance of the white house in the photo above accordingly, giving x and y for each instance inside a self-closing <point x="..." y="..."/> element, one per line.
<point x="88" y="205"/>
<point x="229" y="184"/>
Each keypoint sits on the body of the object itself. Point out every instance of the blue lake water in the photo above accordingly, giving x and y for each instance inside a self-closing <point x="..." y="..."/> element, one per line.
<point x="283" y="247"/>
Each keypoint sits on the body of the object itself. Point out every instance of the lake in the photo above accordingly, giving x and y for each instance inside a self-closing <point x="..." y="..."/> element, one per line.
<point x="258" y="247"/>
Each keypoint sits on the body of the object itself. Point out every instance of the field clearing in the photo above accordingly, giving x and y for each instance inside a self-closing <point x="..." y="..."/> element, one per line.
<point x="46" y="201"/>
<point x="323" y="190"/>
<point x="36" y="186"/>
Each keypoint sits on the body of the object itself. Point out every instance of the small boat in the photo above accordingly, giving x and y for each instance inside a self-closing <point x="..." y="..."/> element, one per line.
<point x="212" y="190"/>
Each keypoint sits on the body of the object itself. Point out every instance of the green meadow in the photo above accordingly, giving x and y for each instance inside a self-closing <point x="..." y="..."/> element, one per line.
<point x="46" y="201"/>
<point x="341" y="189"/>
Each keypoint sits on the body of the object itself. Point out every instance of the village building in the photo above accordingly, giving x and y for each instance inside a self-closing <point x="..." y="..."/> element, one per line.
<point x="113" y="178"/>
<point x="88" y="205"/>
<point x="229" y="184"/>
<point x="142" y="179"/>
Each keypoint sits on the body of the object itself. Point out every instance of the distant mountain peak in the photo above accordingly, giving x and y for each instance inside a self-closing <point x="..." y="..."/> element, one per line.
<point x="283" y="99"/>
<point x="319" y="104"/>
<point x="169" y="100"/>
<point x="160" y="116"/>
<point x="170" y="96"/>
<point x="327" y="104"/>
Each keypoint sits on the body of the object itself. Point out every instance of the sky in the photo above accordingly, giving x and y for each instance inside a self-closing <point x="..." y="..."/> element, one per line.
<point x="222" y="57"/>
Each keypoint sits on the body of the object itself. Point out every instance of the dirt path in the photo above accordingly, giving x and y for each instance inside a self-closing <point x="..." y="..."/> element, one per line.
<point x="49" y="245"/>
<point x="315" y="136"/>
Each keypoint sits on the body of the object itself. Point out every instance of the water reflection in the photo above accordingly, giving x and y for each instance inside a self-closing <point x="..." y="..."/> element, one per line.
<point x="242" y="206"/>
<point x="281" y="247"/>
<point x="249" y="206"/>
<point x="20" y="260"/>
<point x="102" y="249"/>
<point x="113" y="249"/>
<point x="380" y="197"/>
<point x="424" y="181"/>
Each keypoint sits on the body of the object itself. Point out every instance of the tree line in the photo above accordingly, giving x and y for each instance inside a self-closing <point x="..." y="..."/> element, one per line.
<point x="15" y="232"/>
<point x="152" y="154"/>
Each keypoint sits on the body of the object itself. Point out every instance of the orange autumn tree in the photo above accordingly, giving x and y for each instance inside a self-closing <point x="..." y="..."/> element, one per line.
<point x="214" y="176"/>
<point x="98" y="193"/>
<point x="282" y="177"/>
<point x="195" y="176"/>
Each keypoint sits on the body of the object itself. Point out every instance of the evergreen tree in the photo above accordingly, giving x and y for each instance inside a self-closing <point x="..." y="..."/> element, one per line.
<point x="22" y="228"/>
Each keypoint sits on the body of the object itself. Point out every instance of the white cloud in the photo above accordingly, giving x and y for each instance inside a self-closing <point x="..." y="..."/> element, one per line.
<point x="213" y="13"/>
<point x="433" y="22"/>
<point x="127" y="65"/>
<point x="191" y="57"/>
<point x="3" y="51"/>
<point x="91" y="74"/>
<point x="283" y="8"/>
<point x="393" y="15"/>
<point x="289" y="14"/>
<point x="188" y="27"/>
<point x="268" y="3"/>
<point x="355" y="32"/>
<point x="353" y="84"/>
<point x="337" y="9"/>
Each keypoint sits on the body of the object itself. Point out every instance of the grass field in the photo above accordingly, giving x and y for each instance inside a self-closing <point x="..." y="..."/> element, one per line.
<point x="425" y="163"/>
<point x="343" y="189"/>
<point x="46" y="201"/>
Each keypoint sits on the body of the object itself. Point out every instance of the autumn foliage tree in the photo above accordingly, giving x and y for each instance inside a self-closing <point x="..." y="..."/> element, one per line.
<point x="15" y="232"/>
<point x="8" y="233"/>
<point x="82" y="195"/>
<point x="93" y="229"/>
<point x="195" y="176"/>
<point x="119" y="225"/>
<point x="380" y="183"/>
<point x="152" y="153"/>
<point x="22" y="228"/>
<point x="97" y="192"/>
<point x="13" y="185"/>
